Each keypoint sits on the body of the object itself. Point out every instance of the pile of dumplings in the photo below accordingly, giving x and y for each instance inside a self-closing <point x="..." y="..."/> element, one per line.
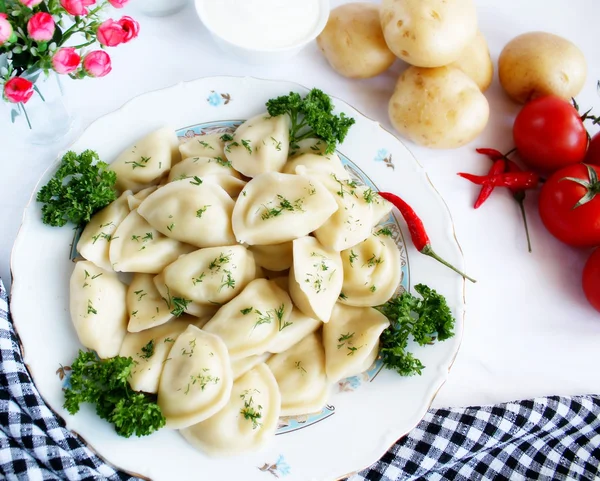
<point x="253" y="271"/>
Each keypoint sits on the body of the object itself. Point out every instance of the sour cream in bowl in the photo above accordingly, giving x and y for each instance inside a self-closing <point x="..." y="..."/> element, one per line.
<point x="263" y="31"/>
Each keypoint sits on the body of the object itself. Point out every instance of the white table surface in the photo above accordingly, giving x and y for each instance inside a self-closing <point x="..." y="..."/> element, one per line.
<point x="529" y="330"/>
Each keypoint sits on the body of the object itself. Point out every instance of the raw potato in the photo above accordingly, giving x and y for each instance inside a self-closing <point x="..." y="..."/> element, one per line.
<point x="438" y="107"/>
<point x="538" y="63"/>
<point x="428" y="33"/>
<point x="476" y="62"/>
<point x="353" y="42"/>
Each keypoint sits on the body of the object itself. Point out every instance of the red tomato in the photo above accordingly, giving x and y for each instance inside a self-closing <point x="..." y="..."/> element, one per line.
<point x="593" y="153"/>
<point x="549" y="134"/>
<point x="576" y="226"/>
<point x="591" y="279"/>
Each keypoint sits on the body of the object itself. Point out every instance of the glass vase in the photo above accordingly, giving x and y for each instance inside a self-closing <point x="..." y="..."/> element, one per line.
<point x="44" y="118"/>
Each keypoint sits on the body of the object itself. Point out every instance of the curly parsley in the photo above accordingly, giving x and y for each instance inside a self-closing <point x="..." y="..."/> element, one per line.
<point x="78" y="190"/>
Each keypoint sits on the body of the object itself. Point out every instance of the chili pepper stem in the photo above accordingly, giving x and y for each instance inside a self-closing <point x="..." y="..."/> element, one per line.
<point x="428" y="251"/>
<point x="524" y="215"/>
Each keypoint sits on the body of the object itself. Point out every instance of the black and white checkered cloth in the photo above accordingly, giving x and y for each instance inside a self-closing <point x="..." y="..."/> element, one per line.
<point x="554" y="438"/>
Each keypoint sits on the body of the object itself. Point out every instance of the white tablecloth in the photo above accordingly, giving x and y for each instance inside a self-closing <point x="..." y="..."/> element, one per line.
<point x="529" y="330"/>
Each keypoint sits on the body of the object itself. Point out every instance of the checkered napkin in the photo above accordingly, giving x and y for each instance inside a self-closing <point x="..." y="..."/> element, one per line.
<point x="555" y="438"/>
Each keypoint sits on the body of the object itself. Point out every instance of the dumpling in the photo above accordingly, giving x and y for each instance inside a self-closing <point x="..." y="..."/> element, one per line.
<point x="146" y="161"/>
<point x="179" y="305"/>
<point x="135" y="200"/>
<point x="209" y="145"/>
<point x="381" y="209"/>
<point x="352" y="222"/>
<point x="244" y="364"/>
<point x="191" y="211"/>
<point x="274" y="208"/>
<point x="95" y="239"/>
<point x="149" y="350"/>
<point x="316" y="278"/>
<point x="213" y="275"/>
<point x="297" y="328"/>
<point x="201" y="167"/>
<point x="196" y="382"/>
<point x="145" y="305"/>
<point x="300" y="374"/>
<point x="137" y="247"/>
<point x="246" y="423"/>
<point x="276" y="257"/>
<point x="98" y="308"/>
<point x="350" y="340"/>
<point x="372" y="271"/>
<point x="316" y="163"/>
<point x="260" y="144"/>
<point x="249" y="323"/>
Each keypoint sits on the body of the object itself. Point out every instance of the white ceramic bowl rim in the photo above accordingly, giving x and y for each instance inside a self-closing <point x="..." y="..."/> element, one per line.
<point x="323" y="18"/>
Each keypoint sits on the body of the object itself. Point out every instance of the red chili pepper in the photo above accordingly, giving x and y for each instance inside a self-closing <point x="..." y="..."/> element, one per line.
<point x="417" y="231"/>
<point x="520" y="180"/>
<point x="491" y="153"/>
<point x="519" y="196"/>
<point x="498" y="167"/>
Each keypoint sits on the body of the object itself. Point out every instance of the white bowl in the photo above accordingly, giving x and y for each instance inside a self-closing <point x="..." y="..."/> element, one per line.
<point x="264" y="56"/>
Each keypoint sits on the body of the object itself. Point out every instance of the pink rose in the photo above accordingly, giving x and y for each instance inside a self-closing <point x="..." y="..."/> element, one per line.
<point x="41" y="27"/>
<point x="6" y="30"/>
<point x="97" y="63"/>
<point x="77" y="7"/>
<point x="30" y="3"/>
<point x="131" y="28"/>
<point x="18" y="90"/>
<point x="65" y="60"/>
<point x="118" y="3"/>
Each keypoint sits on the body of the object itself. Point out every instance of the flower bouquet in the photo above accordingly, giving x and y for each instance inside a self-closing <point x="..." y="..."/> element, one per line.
<point x="40" y="38"/>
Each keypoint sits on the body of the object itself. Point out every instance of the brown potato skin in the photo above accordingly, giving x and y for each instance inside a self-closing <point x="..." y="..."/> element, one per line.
<point x="535" y="64"/>
<point x="439" y="107"/>
<point x="476" y="62"/>
<point x="353" y="43"/>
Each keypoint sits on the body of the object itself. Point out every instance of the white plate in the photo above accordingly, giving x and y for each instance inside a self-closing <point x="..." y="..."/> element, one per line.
<point x="365" y="415"/>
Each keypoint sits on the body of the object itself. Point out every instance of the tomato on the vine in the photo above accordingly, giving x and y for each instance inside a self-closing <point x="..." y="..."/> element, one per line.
<point x="593" y="152"/>
<point x="549" y="134"/>
<point x="591" y="279"/>
<point x="569" y="205"/>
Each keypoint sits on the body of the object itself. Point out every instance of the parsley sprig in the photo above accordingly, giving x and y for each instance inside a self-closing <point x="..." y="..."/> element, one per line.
<point x="103" y="382"/>
<point x="312" y="116"/>
<point x="422" y="319"/>
<point x="79" y="189"/>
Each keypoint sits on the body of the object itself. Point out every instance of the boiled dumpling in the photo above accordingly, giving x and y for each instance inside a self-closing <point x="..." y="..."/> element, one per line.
<point x="244" y="364"/>
<point x="146" y="161"/>
<point x="381" y="209"/>
<point x="300" y="374"/>
<point x="213" y="275"/>
<point x="94" y="242"/>
<point x="350" y="340"/>
<point x="145" y="305"/>
<point x="178" y="304"/>
<point x="137" y="247"/>
<point x="196" y="382"/>
<point x="274" y="208"/>
<point x="209" y="145"/>
<point x="316" y="278"/>
<point x="297" y="328"/>
<point x="191" y="211"/>
<point x="246" y="423"/>
<point x="260" y="144"/>
<point x="135" y="200"/>
<point x="98" y="308"/>
<point x="249" y="323"/>
<point x="316" y="163"/>
<point x="372" y="271"/>
<point x="276" y="257"/>
<point x="149" y="350"/>
<point x="352" y="222"/>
